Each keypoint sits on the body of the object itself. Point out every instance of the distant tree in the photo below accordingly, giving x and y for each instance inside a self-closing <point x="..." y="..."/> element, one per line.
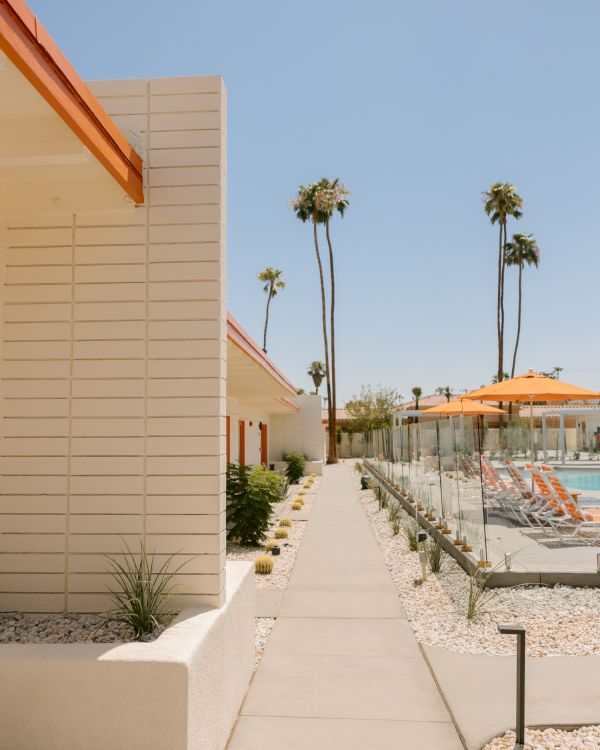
<point x="553" y="373"/>
<point x="522" y="250"/>
<point x="505" y="376"/>
<point x="373" y="408"/>
<point x="500" y="201"/>
<point x="417" y="393"/>
<point x="317" y="373"/>
<point x="444" y="390"/>
<point x="274" y="282"/>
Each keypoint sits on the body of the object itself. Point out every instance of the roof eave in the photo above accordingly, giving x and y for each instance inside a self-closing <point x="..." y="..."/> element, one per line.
<point x="32" y="50"/>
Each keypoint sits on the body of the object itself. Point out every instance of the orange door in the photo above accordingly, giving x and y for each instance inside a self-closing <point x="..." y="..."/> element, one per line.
<point x="228" y="438"/>
<point x="242" y="429"/>
<point x="263" y="445"/>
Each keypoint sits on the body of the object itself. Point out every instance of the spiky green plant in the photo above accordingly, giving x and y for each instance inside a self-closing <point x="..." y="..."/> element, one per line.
<point x="479" y="596"/>
<point x="434" y="556"/>
<point x="411" y="532"/>
<point x="296" y="506"/>
<point x="358" y="467"/>
<point x="142" y="592"/>
<point x="281" y="533"/>
<point x="393" y="512"/>
<point x="285" y="522"/>
<point x="263" y="565"/>
<point x="269" y="544"/>
<point x="395" y="527"/>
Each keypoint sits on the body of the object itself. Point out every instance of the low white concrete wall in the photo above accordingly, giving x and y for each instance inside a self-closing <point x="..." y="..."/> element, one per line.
<point x="302" y="431"/>
<point x="181" y="692"/>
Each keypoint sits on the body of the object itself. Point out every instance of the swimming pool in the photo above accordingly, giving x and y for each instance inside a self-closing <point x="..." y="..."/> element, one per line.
<point x="580" y="480"/>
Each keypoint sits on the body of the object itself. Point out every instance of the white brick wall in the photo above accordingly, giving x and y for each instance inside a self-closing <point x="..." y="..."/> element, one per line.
<point x="113" y="367"/>
<point x="299" y="432"/>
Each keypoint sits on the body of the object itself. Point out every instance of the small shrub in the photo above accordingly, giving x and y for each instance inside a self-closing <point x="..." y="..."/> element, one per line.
<point x="393" y="512"/>
<point x="281" y="533"/>
<point x="411" y="533"/>
<point x="251" y="494"/>
<point x="285" y="522"/>
<point x="396" y="527"/>
<point x="143" y="592"/>
<point x="358" y="467"/>
<point x="479" y="597"/>
<point x="434" y="556"/>
<point x="296" y="506"/>
<point x="296" y="463"/>
<point x="263" y="565"/>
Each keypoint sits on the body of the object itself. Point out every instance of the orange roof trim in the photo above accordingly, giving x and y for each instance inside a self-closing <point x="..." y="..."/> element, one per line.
<point x="242" y="339"/>
<point x="32" y="50"/>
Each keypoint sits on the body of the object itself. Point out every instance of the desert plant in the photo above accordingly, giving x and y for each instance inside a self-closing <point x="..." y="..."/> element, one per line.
<point x="281" y="533"/>
<point x="411" y="533"/>
<point x="296" y="506"/>
<point x="396" y="526"/>
<point x="299" y="500"/>
<point x="269" y="544"/>
<point x="142" y="594"/>
<point x="285" y="522"/>
<point x="251" y="493"/>
<point x="479" y="597"/>
<point x="317" y="373"/>
<point x="296" y="463"/>
<point x="358" y="467"/>
<point x="393" y="512"/>
<point x="434" y="556"/>
<point x="263" y="565"/>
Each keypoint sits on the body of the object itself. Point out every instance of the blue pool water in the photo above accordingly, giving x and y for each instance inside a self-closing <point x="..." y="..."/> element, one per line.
<point x="580" y="480"/>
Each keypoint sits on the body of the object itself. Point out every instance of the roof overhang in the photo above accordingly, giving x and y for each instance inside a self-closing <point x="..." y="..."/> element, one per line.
<point x="252" y="377"/>
<point x="57" y="143"/>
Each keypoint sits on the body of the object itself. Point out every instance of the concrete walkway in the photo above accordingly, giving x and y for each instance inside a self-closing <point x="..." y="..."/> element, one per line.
<point x="342" y="668"/>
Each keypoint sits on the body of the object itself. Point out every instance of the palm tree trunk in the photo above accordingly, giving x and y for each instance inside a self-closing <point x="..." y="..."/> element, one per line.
<point x="332" y="330"/>
<point x="331" y="436"/>
<point x="514" y="362"/>
<point x="499" y="304"/>
<point x="269" y="297"/>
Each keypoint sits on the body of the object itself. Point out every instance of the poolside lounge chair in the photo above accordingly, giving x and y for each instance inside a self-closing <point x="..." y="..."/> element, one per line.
<point x="565" y="516"/>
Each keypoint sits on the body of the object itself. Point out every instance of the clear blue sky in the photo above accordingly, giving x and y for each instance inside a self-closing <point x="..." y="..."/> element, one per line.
<point x="417" y="107"/>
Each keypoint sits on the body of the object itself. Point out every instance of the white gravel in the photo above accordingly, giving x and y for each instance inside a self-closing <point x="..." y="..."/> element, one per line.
<point x="263" y="628"/>
<point x="584" y="738"/>
<point x="560" y="621"/>
<point x="65" y="628"/>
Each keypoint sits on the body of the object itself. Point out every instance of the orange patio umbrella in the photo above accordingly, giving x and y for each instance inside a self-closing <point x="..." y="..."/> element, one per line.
<point x="458" y="406"/>
<point x="529" y="388"/>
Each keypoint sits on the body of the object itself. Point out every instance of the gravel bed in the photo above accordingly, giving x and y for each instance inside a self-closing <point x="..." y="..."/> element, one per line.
<point x="584" y="738"/>
<point x="560" y="620"/>
<point x="262" y="631"/>
<point x="284" y="562"/>
<point x="65" y="628"/>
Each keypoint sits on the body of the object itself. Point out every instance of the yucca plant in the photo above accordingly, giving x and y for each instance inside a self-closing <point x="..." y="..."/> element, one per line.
<point x="411" y="533"/>
<point x="479" y="597"/>
<point x="434" y="556"/>
<point x="142" y="592"/>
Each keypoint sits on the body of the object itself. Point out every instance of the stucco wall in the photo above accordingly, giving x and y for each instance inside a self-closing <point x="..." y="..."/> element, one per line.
<point x="302" y="431"/>
<point x="181" y="692"/>
<point x="252" y="416"/>
<point x="113" y="366"/>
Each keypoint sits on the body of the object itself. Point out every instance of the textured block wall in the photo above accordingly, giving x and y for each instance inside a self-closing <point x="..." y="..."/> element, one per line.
<point x="298" y="432"/>
<point x="113" y="367"/>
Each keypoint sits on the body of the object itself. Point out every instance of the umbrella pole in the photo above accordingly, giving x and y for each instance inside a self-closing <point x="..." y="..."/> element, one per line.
<point x="531" y="428"/>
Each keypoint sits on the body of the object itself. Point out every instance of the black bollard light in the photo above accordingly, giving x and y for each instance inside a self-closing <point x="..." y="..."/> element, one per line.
<point x="519" y="631"/>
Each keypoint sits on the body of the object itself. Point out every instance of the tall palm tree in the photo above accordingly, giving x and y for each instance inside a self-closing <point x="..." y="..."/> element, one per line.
<point x="522" y="250"/>
<point x="444" y="390"/>
<point x="500" y="202"/>
<point x="332" y="197"/>
<point x="304" y="206"/>
<point x="318" y="203"/>
<point x="274" y="282"/>
<point x="317" y="373"/>
<point x="417" y="393"/>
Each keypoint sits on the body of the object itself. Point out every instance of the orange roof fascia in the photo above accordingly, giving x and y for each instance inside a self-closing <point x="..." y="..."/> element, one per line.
<point x="242" y="339"/>
<point x="32" y="50"/>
